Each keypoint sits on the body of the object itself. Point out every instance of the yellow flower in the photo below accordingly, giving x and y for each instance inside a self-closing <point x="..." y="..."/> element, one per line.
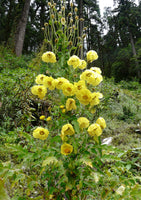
<point x="96" y="69"/>
<point x="84" y="96"/>
<point x="63" y="21"/>
<point x="39" y="79"/>
<point x="70" y="104"/>
<point x="100" y="95"/>
<point x="68" y="89"/>
<point x="97" y="80"/>
<point x="74" y="61"/>
<point x="83" y="64"/>
<point x="66" y="149"/>
<point x="39" y="90"/>
<point x="93" y="110"/>
<point x="91" y="56"/>
<point x="91" y="77"/>
<point x="49" y="119"/>
<point x="95" y="100"/>
<point x="67" y="129"/>
<point x="42" y="117"/>
<point x="86" y="74"/>
<point x="49" y="57"/>
<point x="49" y="82"/>
<point x="94" y="129"/>
<point x="101" y="122"/>
<point x="79" y="85"/>
<point x="60" y="81"/>
<point x="40" y="133"/>
<point x="62" y="106"/>
<point x="51" y="197"/>
<point x="63" y="110"/>
<point x="83" y="122"/>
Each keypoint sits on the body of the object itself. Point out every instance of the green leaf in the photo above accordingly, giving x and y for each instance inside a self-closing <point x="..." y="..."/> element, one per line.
<point x="76" y="126"/>
<point x="49" y="161"/>
<point x="3" y="193"/>
<point x="86" y="161"/>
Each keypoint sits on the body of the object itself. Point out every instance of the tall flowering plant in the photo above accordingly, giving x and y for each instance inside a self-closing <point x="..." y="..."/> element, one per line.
<point x="72" y="148"/>
<point x="62" y="157"/>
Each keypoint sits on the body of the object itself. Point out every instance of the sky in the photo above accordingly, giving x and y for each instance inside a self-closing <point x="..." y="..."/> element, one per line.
<point x="105" y="3"/>
<point x="108" y="3"/>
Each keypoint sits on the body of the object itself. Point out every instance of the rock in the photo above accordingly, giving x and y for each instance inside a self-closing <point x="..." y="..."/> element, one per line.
<point x="138" y="131"/>
<point x="107" y="141"/>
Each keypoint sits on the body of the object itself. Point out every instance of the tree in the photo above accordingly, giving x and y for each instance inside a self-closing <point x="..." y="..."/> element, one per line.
<point x="123" y="23"/>
<point x="20" y="32"/>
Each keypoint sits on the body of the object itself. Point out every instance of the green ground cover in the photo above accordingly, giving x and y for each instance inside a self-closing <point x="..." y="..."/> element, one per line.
<point x="20" y="112"/>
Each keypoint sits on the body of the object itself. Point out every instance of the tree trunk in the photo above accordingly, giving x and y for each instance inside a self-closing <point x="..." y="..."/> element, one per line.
<point x="135" y="55"/>
<point x="20" y="33"/>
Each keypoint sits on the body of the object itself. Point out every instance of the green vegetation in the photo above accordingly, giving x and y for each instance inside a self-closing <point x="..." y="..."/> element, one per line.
<point x="54" y="141"/>
<point x="20" y="162"/>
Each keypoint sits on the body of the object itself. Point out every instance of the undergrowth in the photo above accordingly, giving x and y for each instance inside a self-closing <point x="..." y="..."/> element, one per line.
<point x="121" y="107"/>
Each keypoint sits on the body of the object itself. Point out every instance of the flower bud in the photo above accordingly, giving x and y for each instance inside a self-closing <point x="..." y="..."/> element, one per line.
<point x="84" y="35"/>
<point x="63" y="21"/>
<point x="81" y="19"/>
<point x="49" y="3"/>
<point x="71" y="20"/>
<point x="76" y="17"/>
<point x="70" y="43"/>
<point x="63" y="7"/>
<point x="70" y="14"/>
<point x="85" y="28"/>
<point x="45" y="24"/>
<point x="76" y="9"/>
<point x="71" y="4"/>
<point x="52" y="16"/>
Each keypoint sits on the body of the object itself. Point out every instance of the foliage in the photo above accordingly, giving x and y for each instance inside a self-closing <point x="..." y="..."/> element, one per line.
<point x="15" y="84"/>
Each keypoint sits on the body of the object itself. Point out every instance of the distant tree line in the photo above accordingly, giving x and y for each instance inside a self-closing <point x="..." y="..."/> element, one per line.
<point x="119" y="50"/>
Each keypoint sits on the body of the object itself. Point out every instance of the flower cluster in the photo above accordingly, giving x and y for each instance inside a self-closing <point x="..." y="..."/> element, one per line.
<point x="94" y="129"/>
<point x="77" y="91"/>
